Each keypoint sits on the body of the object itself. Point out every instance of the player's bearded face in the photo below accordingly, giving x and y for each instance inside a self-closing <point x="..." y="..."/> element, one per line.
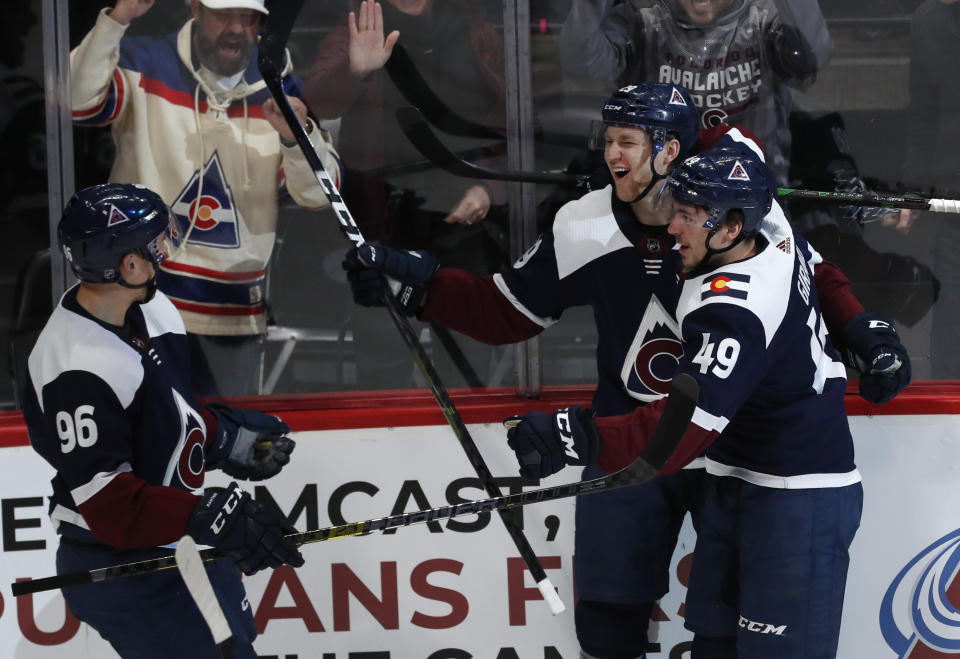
<point x="627" y="153"/>
<point x="225" y="38"/>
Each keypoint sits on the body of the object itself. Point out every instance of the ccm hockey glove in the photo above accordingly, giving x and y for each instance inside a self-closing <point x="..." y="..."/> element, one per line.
<point x="375" y="271"/>
<point x="873" y="348"/>
<point x="249" y="445"/>
<point x="545" y="443"/>
<point x="243" y="530"/>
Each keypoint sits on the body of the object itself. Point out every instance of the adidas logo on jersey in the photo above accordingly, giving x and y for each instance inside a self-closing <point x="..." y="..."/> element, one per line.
<point x="784" y="245"/>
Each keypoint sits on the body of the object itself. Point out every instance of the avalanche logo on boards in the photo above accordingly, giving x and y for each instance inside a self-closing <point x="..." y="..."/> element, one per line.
<point x="920" y="612"/>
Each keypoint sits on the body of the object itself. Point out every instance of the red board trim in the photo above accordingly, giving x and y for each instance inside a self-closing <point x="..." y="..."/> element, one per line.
<point x="379" y="409"/>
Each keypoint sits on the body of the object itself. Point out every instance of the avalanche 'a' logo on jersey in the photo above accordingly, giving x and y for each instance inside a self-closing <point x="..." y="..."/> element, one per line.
<point x="651" y="361"/>
<point x="215" y="211"/>
<point x="187" y="461"/>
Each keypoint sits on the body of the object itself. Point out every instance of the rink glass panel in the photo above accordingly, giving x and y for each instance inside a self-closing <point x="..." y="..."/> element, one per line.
<point x="25" y="292"/>
<point x="322" y="341"/>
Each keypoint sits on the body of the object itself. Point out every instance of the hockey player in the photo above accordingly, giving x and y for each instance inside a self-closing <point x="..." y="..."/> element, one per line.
<point x="609" y="250"/>
<point x="108" y="404"/>
<point x="782" y="496"/>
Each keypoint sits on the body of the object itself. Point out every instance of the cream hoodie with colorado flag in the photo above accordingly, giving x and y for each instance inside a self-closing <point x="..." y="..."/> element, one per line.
<point x="178" y="135"/>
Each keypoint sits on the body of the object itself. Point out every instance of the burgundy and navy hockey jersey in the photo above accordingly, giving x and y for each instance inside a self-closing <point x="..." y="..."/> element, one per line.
<point x="770" y="409"/>
<point x="598" y="254"/>
<point x="112" y="410"/>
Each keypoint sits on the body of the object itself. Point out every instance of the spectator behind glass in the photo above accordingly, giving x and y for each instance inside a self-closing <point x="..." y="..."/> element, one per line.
<point x="743" y="61"/>
<point x="193" y="120"/>
<point x="738" y="58"/>
<point x="461" y="57"/>
<point x="932" y="143"/>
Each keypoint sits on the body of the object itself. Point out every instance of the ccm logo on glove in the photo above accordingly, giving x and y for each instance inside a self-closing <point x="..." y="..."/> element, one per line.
<point x="228" y="507"/>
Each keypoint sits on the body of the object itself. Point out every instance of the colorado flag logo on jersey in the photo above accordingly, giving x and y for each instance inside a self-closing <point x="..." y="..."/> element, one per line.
<point x="215" y="212"/>
<point x="731" y="284"/>
<point x="920" y="612"/>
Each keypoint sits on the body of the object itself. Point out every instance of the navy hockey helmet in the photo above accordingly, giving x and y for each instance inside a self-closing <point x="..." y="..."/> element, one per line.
<point x="723" y="179"/>
<point x="657" y="108"/>
<point x="103" y="223"/>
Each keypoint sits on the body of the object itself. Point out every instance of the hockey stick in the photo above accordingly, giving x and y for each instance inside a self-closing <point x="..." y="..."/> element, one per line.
<point x="274" y="32"/>
<point x="195" y="577"/>
<point x="415" y="127"/>
<point x="873" y="199"/>
<point x="676" y="416"/>
<point x="422" y="136"/>
<point x="405" y="76"/>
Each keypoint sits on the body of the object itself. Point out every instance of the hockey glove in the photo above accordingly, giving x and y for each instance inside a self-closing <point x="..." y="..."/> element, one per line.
<point x="375" y="271"/>
<point x="243" y="530"/>
<point x="873" y="348"/>
<point x="249" y="445"/>
<point x="545" y="443"/>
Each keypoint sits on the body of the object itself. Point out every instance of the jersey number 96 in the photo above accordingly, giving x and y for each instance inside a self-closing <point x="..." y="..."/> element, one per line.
<point x="76" y="429"/>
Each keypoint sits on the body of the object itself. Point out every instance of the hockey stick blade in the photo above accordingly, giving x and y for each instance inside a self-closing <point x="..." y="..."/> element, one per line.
<point x="275" y="30"/>
<point x="677" y="412"/>
<point x="405" y="76"/>
<point x="415" y="127"/>
<point x="195" y="577"/>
